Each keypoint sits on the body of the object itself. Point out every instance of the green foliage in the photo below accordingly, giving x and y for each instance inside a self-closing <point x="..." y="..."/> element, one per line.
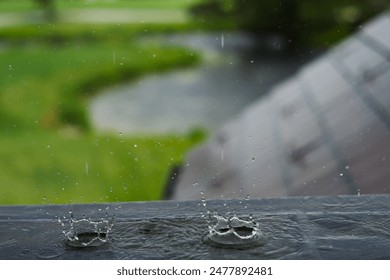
<point x="305" y="23"/>
<point x="197" y="134"/>
<point x="49" y="8"/>
<point x="61" y="34"/>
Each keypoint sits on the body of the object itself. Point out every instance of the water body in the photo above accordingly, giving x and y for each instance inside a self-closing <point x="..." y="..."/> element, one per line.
<point x="232" y="75"/>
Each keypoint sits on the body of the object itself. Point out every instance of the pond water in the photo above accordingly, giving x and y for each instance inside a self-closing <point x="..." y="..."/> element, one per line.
<point x="232" y="75"/>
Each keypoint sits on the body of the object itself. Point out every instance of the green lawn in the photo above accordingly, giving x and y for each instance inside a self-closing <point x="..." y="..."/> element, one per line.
<point x="64" y="167"/>
<point x="48" y="152"/>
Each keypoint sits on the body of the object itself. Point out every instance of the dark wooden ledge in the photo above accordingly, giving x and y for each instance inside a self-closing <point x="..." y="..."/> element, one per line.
<point x="343" y="227"/>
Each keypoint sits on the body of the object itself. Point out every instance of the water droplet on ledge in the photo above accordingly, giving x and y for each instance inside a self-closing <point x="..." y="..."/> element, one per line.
<point x="87" y="233"/>
<point x="234" y="233"/>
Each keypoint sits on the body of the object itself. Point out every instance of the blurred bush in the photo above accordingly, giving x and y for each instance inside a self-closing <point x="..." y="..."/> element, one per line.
<point x="302" y="24"/>
<point x="49" y="7"/>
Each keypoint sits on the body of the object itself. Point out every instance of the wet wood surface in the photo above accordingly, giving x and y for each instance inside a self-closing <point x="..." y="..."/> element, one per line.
<point x="343" y="227"/>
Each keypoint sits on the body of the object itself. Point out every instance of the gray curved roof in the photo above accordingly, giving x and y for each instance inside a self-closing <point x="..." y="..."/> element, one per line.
<point x="325" y="131"/>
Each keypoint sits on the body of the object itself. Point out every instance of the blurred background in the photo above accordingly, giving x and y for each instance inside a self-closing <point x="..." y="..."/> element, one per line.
<point x="101" y="99"/>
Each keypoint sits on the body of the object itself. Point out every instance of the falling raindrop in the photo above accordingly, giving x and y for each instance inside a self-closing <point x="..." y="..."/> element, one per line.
<point x="206" y="214"/>
<point x="203" y="199"/>
<point x="222" y="40"/>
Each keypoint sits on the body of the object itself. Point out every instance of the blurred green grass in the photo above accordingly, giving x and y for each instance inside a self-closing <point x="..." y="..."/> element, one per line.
<point x="48" y="152"/>
<point x="40" y="167"/>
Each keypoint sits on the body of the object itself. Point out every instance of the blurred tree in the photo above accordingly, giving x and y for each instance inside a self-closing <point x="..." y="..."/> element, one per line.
<point x="49" y="7"/>
<point x="260" y="17"/>
<point x="301" y="23"/>
<point x="280" y="17"/>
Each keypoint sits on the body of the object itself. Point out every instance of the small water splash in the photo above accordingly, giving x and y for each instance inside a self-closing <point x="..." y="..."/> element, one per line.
<point x="86" y="232"/>
<point x="233" y="232"/>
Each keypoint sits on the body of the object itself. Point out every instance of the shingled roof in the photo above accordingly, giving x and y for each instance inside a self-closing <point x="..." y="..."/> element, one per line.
<point x="325" y="131"/>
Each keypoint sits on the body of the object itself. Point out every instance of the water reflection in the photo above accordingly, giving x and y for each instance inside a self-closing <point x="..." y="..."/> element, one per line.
<point x="231" y="76"/>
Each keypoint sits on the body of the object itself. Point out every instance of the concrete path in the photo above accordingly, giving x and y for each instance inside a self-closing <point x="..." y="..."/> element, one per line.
<point x="97" y="16"/>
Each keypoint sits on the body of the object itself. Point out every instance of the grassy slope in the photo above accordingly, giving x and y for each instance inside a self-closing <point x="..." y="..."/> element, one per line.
<point x="44" y="158"/>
